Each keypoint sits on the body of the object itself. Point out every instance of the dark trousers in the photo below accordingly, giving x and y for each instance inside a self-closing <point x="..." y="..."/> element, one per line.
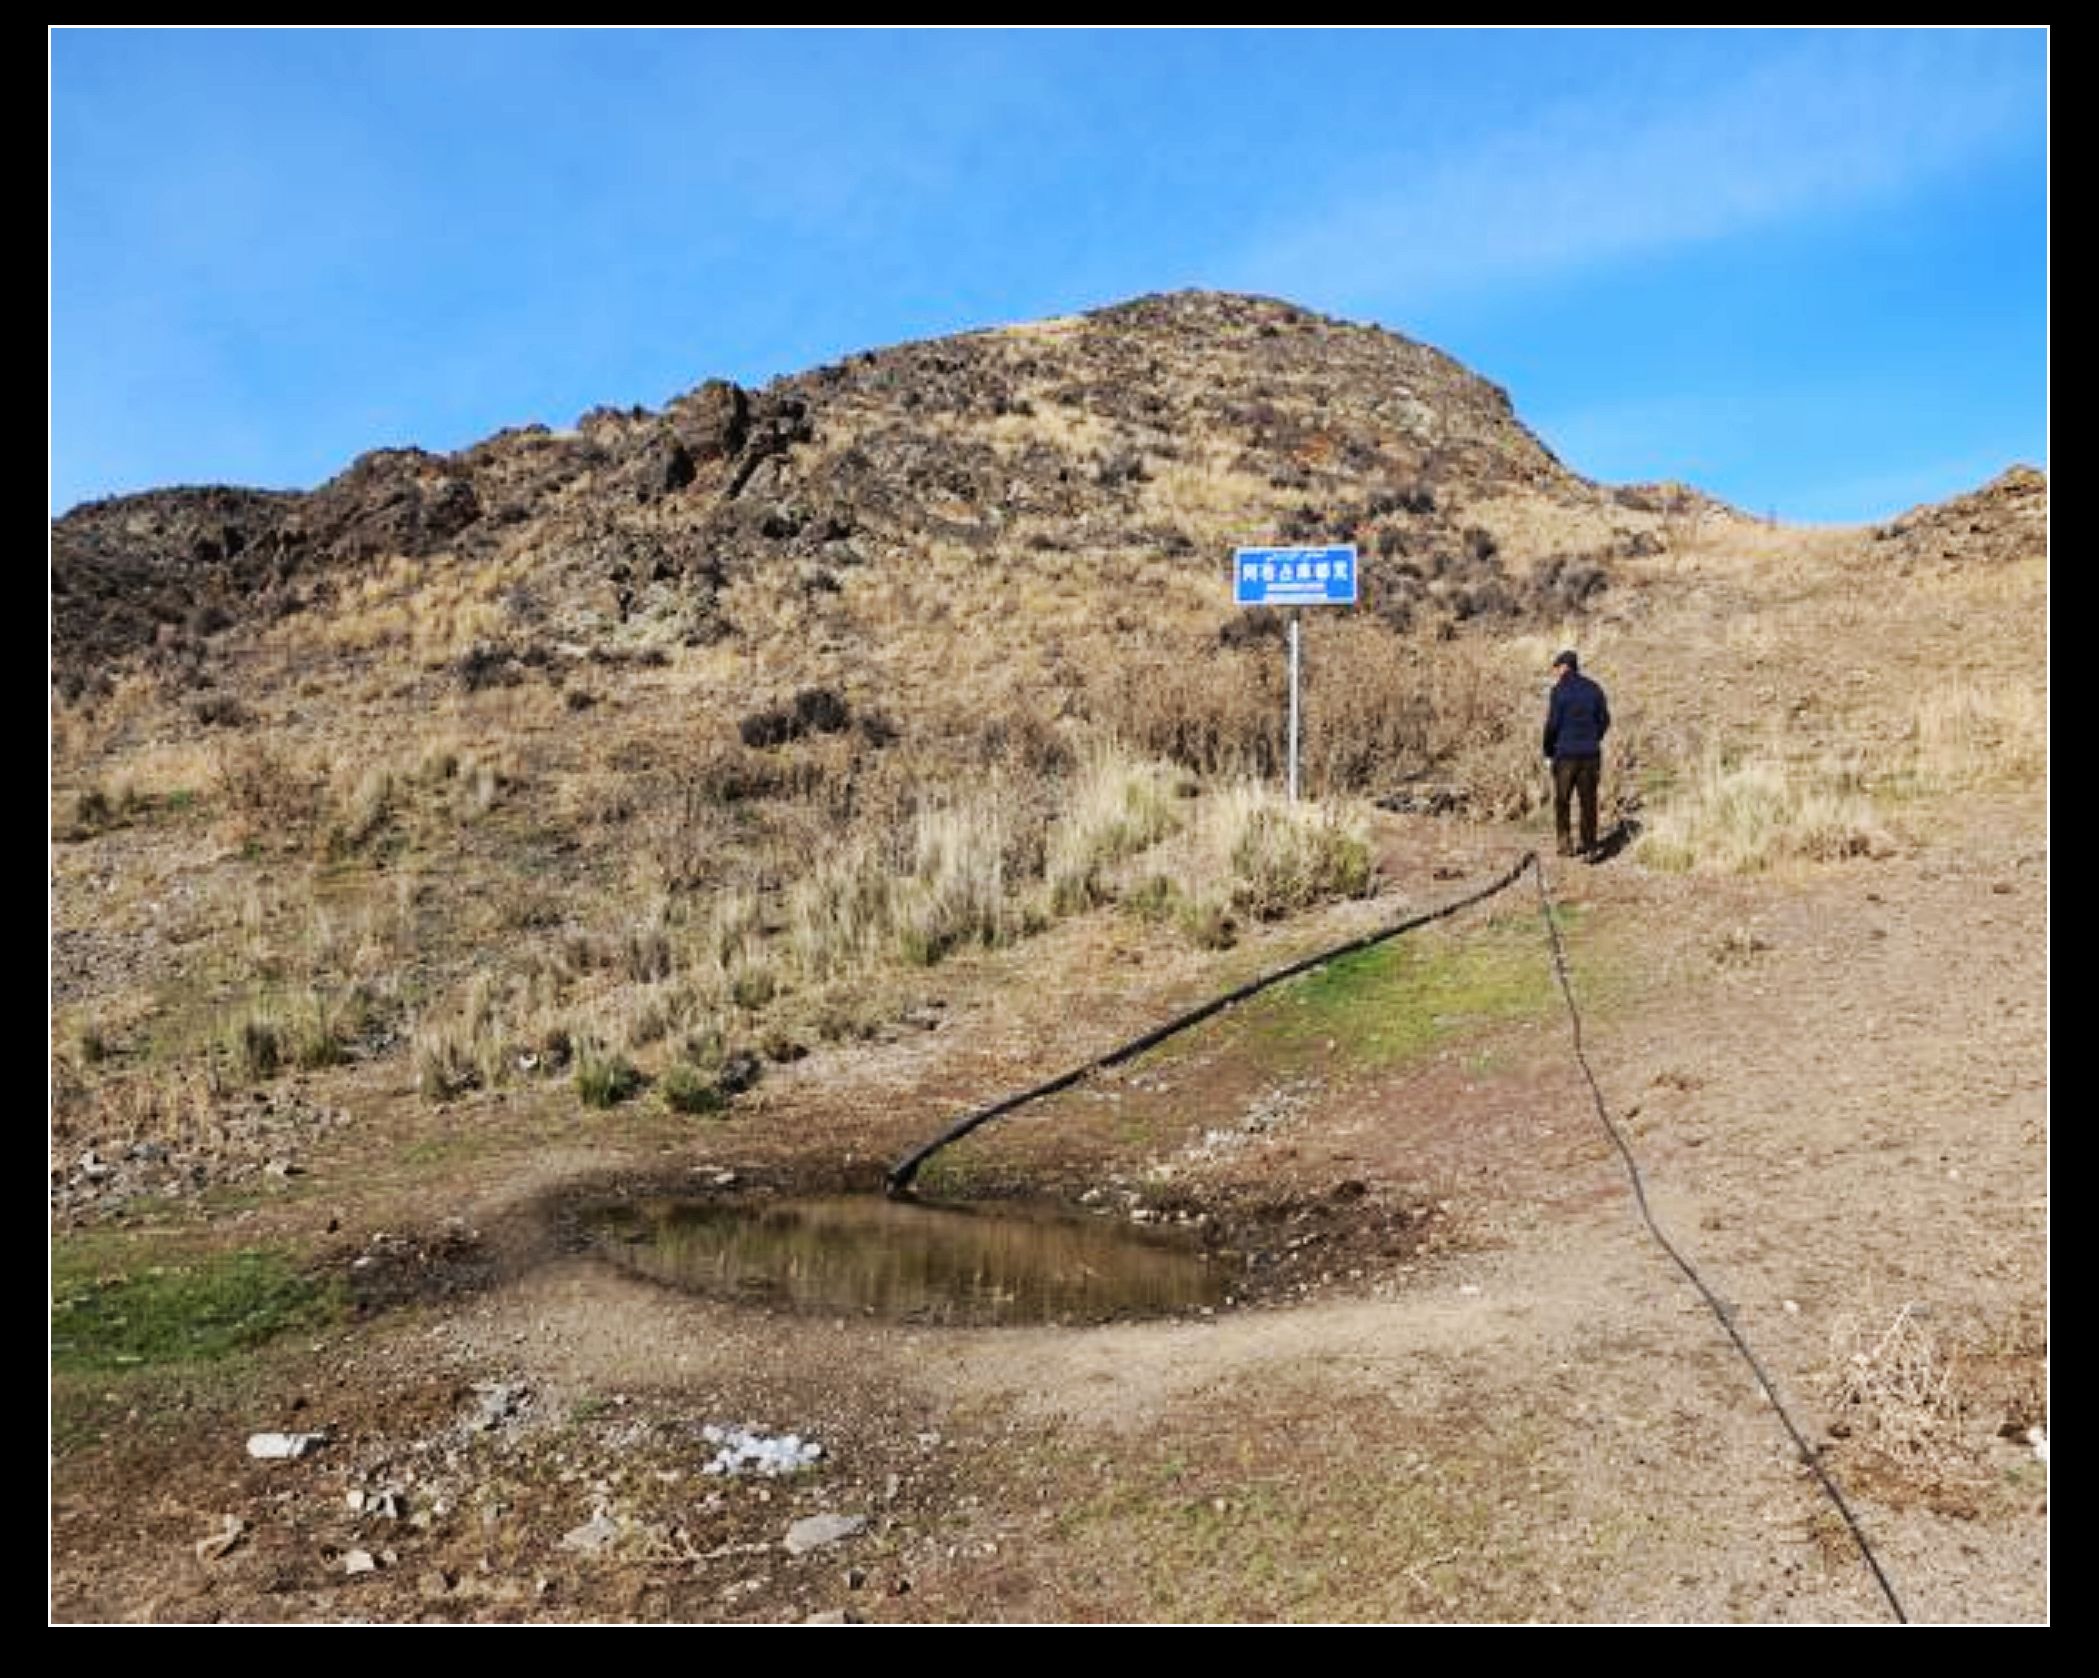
<point x="1575" y="778"/>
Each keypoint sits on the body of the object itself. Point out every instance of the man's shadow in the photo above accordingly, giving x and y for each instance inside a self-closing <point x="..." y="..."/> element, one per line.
<point x="1613" y="844"/>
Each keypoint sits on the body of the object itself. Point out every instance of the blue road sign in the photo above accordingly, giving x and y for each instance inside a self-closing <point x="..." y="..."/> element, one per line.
<point x="1294" y="576"/>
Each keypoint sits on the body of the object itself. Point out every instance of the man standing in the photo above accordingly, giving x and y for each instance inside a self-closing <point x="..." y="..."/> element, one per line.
<point x="1575" y="723"/>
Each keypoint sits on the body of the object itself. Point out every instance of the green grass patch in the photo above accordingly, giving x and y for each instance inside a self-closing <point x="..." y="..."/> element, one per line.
<point x="1398" y="1000"/>
<point x="192" y="1311"/>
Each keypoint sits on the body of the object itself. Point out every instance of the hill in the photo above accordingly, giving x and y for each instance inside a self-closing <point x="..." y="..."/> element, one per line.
<point x="1027" y="466"/>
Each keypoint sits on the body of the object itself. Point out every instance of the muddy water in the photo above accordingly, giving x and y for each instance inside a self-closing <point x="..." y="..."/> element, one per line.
<point x="910" y="1260"/>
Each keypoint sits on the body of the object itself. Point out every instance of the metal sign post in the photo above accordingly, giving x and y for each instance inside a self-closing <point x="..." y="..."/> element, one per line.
<point x="1296" y="619"/>
<point x="1294" y="577"/>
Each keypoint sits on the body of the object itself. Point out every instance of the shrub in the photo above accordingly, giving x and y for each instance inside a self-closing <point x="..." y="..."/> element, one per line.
<point x="814" y="711"/>
<point x="740" y="1070"/>
<point x="484" y="665"/>
<point x="273" y="795"/>
<point x="93" y="809"/>
<point x="770" y="727"/>
<point x="1565" y="585"/>
<point x="1253" y="628"/>
<point x="1220" y="713"/>
<point x="221" y="710"/>
<point x="821" y="711"/>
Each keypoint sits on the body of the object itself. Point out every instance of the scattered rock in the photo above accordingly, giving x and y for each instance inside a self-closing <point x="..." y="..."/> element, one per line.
<point x="284" y="1447"/>
<point x="359" y="1561"/>
<point x="814" y="1532"/>
<point x="746" y="1451"/>
<point x="231" y="1530"/>
<point x="740" y="1070"/>
<point x="593" y="1536"/>
<point x="832" y="1617"/>
<point x="495" y="1403"/>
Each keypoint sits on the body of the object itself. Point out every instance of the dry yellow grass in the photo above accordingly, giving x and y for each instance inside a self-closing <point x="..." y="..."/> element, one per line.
<point x="1069" y="430"/>
<point x="1970" y="734"/>
<point x="726" y="889"/>
<point x="1209" y="499"/>
<point x="1747" y="816"/>
<point x="1117" y="806"/>
<point x="1273" y="858"/>
<point x="465" y="1046"/>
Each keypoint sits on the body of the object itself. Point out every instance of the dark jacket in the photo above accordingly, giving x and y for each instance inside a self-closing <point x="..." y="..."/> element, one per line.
<point x="1577" y="719"/>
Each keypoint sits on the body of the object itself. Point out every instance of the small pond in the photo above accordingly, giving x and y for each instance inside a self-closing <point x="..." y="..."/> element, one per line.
<point x="997" y="1263"/>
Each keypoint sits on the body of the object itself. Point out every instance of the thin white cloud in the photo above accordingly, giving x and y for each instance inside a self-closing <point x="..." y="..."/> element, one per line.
<point x="1630" y="167"/>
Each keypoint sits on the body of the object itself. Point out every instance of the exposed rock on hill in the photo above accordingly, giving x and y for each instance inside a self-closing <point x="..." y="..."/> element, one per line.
<point x="2006" y="519"/>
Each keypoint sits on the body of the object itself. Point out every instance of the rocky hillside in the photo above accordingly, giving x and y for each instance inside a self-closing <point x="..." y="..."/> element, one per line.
<point x="1132" y="445"/>
<point x="2004" y="521"/>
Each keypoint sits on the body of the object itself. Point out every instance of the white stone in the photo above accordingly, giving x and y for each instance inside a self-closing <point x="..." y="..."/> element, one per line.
<point x="815" y="1531"/>
<point x="281" y="1447"/>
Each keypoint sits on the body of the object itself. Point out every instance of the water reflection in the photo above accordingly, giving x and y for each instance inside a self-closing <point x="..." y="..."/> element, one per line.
<point x="931" y="1263"/>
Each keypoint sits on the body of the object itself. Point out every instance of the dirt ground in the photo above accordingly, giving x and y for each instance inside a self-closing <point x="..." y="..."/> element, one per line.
<point x="1466" y="1385"/>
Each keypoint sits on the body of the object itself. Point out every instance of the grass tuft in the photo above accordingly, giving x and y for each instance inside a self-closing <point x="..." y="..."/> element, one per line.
<point x="1280" y="858"/>
<point x="604" y="1076"/>
<point x="685" y="1088"/>
<point x="1118" y="806"/>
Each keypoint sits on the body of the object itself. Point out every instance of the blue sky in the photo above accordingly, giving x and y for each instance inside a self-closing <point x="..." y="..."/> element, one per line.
<point x="1806" y="270"/>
